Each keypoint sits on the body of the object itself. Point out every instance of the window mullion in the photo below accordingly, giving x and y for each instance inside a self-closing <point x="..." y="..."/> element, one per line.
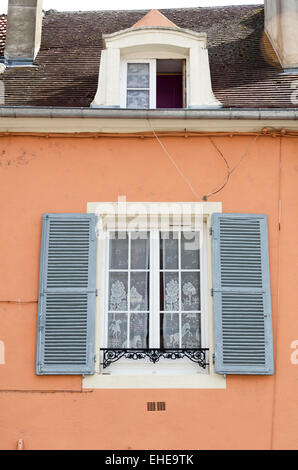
<point x="203" y="280"/>
<point x="179" y="283"/>
<point x="152" y="93"/>
<point x="128" y="289"/>
<point x="106" y="277"/>
<point x="157" y="296"/>
<point x="154" y="322"/>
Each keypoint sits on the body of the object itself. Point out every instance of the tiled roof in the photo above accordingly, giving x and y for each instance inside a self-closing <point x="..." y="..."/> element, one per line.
<point x="243" y="65"/>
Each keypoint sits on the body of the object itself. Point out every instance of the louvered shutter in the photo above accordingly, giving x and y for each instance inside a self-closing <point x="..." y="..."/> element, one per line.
<point x="241" y="294"/>
<point x="67" y="291"/>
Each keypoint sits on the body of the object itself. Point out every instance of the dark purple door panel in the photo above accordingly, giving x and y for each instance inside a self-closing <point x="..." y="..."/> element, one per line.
<point x="169" y="91"/>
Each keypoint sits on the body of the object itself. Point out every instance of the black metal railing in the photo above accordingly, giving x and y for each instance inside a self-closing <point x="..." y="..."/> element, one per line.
<point x="197" y="355"/>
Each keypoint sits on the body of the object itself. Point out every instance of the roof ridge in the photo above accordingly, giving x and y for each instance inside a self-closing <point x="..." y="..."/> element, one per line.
<point x="218" y="7"/>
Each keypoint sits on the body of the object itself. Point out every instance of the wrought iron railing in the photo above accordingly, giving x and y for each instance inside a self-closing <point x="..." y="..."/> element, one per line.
<point x="197" y="355"/>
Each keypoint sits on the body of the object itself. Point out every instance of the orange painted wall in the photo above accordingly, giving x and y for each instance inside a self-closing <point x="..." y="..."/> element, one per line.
<point x="39" y="175"/>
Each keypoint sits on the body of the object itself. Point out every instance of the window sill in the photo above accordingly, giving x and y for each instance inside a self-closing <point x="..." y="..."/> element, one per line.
<point x="193" y="381"/>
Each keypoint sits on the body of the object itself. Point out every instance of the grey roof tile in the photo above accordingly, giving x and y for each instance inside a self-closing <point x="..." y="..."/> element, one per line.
<point x="244" y="70"/>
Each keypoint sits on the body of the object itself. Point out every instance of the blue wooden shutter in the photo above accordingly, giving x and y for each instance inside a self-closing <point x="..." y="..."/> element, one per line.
<point x="67" y="291"/>
<point x="241" y="294"/>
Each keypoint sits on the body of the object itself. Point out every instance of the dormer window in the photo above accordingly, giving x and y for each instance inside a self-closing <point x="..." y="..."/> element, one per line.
<point x="154" y="83"/>
<point x="153" y="65"/>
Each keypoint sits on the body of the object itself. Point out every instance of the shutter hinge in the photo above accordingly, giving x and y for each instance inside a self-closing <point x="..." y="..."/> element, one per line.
<point x="210" y="231"/>
<point x="40" y="310"/>
<point x="213" y="358"/>
<point x="212" y="290"/>
<point x="92" y="291"/>
<point x="94" y="357"/>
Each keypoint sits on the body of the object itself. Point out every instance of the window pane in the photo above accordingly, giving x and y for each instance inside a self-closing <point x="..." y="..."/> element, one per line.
<point x="128" y="315"/>
<point x="138" y="330"/>
<point x="118" y="291"/>
<point x="137" y="99"/>
<point x="118" y="250"/>
<point x="190" y="291"/>
<point x="169" y="334"/>
<point x="190" y="250"/>
<point x="117" y="330"/>
<point x="169" y="291"/>
<point x="168" y="250"/>
<point x="140" y="242"/>
<point x="138" y="75"/>
<point x="191" y="330"/>
<point x="139" y="291"/>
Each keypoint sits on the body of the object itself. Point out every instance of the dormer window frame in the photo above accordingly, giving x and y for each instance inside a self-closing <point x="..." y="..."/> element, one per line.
<point x="123" y="81"/>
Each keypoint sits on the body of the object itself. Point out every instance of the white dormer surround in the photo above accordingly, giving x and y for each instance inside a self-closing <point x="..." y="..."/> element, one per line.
<point x="152" y="43"/>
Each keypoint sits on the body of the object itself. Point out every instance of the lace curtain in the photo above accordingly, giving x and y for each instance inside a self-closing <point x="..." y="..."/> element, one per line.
<point x="138" y="78"/>
<point x="128" y="324"/>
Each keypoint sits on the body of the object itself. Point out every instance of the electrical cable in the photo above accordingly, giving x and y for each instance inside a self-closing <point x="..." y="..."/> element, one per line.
<point x="218" y="188"/>
<point x="229" y="171"/>
<point x="174" y="163"/>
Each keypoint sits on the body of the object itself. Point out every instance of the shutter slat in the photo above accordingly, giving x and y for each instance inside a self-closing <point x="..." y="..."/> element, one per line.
<point x="242" y="307"/>
<point x="66" y="315"/>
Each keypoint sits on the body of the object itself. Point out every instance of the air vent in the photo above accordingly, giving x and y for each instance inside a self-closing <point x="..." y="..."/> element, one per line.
<point x="156" y="406"/>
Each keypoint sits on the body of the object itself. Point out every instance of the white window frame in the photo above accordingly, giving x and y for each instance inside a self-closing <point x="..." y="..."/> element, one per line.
<point x="102" y="379"/>
<point x="164" y="366"/>
<point x="152" y="81"/>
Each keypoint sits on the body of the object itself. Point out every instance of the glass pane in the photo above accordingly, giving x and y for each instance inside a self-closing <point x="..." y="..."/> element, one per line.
<point x="190" y="250"/>
<point x="138" y="337"/>
<point x="140" y="243"/>
<point x="118" y="250"/>
<point x="169" y="330"/>
<point x="169" y="291"/>
<point x="190" y="291"/>
<point x="138" y="75"/>
<point x="117" y="330"/>
<point x="137" y="99"/>
<point x="169" y="250"/>
<point x="191" y="330"/>
<point x="139" y="291"/>
<point x="118" y="291"/>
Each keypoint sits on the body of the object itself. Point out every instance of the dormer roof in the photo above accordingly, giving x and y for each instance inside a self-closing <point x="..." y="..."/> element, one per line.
<point x="154" y="18"/>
